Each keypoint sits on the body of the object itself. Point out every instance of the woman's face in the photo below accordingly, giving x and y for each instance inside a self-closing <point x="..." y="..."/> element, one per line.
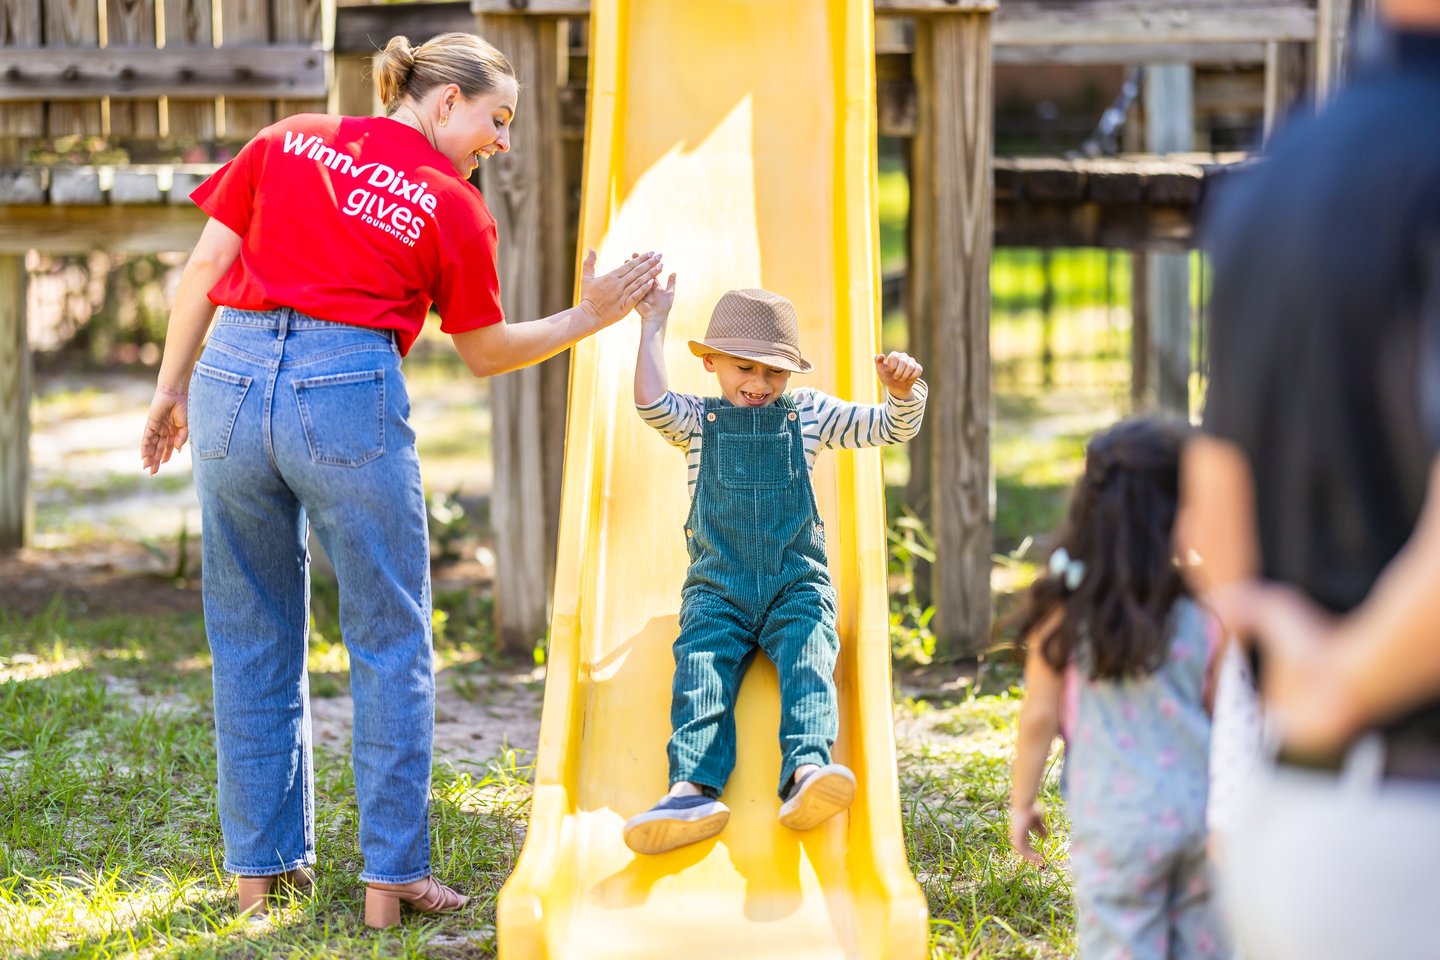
<point x="476" y="129"/>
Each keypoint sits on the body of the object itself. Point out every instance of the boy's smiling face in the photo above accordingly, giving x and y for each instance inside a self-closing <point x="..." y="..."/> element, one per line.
<point x="747" y="383"/>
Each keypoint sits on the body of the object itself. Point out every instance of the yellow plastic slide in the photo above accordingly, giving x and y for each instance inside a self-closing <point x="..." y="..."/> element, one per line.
<point x="738" y="138"/>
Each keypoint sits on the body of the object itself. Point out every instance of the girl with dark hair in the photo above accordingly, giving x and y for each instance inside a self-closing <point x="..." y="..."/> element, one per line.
<point x="1116" y="662"/>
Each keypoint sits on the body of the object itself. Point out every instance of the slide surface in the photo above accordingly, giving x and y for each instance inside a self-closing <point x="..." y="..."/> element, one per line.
<point x="737" y="137"/>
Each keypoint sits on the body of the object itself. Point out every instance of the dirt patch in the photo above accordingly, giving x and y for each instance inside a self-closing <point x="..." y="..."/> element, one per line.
<point x="106" y="578"/>
<point x="475" y="717"/>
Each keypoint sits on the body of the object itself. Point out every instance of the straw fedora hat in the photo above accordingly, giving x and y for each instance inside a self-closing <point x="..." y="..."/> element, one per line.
<point x="755" y="325"/>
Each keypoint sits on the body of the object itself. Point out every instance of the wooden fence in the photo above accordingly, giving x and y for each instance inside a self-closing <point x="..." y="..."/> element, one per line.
<point x="188" y="70"/>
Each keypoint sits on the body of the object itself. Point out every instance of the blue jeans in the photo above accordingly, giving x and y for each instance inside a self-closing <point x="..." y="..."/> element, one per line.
<point x="297" y="421"/>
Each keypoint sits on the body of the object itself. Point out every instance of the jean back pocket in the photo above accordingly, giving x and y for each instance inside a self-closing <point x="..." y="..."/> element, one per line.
<point x="343" y="416"/>
<point x="215" y="398"/>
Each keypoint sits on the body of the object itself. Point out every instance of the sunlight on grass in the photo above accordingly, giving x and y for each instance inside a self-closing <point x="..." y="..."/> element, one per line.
<point x="985" y="902"/>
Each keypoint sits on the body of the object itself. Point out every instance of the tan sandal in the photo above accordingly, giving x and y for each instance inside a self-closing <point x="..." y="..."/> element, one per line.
<point x="254" y="893"/>
<point x="426" y="895"/>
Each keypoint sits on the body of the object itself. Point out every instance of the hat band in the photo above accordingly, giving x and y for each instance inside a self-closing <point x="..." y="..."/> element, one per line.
<point x="746" y="345"/>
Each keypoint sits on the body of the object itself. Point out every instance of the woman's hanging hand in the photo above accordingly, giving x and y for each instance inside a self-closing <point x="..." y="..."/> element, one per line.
<point x="166" y="428"/>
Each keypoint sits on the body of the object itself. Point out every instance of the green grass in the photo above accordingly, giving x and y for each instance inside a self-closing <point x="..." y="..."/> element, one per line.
<point x="109" y="844"/>
<point x="110" y="847"/>
<point x="954" y="784"/>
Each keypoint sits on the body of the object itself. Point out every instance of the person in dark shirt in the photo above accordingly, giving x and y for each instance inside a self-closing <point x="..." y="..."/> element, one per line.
<point x="1312" y="505"/>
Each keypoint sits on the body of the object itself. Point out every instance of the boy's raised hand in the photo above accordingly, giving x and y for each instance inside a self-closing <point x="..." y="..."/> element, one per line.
<point x="655" y="306"/>
<point x="612" y="295"/>
<point x="898" y="372"/>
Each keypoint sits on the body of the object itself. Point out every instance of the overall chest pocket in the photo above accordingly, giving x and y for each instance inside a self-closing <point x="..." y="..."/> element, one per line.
<point x="343" y="416"/>
<point x="756" y="461"/>
<point x="215" y="398"/>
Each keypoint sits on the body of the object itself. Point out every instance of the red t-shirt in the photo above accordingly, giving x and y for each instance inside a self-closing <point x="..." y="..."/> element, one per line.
<point x="358" y="220"/>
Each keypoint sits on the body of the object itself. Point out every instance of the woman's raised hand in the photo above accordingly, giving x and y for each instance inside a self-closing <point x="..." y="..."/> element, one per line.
<point x="613" y="295"/>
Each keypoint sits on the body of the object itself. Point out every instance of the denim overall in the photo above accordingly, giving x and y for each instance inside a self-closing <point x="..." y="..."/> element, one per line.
<point x="758" y="580"/>
<point x="297" y="422"/>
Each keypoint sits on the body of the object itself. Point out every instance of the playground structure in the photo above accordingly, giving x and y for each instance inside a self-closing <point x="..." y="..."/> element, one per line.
<point x="182" y="69"/>
<point x="764" y="178"/>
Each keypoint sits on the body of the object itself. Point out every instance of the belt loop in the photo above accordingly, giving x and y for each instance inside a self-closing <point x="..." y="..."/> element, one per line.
<point x="1364" y="765"/>
<point x="284" y="321"/>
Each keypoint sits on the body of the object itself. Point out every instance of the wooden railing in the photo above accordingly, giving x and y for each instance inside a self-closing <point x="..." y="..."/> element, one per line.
<point x="148" y="69"/>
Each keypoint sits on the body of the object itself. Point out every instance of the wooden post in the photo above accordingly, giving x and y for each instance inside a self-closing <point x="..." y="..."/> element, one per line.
<point x="131" y="23"/>
<point x="1142" y="377"/>
<point x="189" y="24"/>
<point x="15" y="505"/>
<point x="526" y="192"/>
<point x="1332" y="28"/>
<point x="304" y="21"/>
<point x="245" y="23"/>
<point x="1169" y="128"/>
<point x="920" y="327"/>
<point x="1047" y="320"/>
<point x="69" y="24"/>
<point x="1284" y="81"/>
<point x="952" y="239"/>
<point x="354" y="93"/>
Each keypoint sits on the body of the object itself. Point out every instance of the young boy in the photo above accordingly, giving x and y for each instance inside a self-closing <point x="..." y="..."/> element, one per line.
<point x="758" y="578"/>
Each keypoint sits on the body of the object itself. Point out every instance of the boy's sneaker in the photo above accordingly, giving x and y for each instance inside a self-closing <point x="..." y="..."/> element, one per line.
<point x="675" y="822"/>
<point x="817" y="798"/>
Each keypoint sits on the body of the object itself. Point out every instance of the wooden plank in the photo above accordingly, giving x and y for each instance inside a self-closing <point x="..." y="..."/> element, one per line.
<point x="1169" y="127"/>
<point x="189" y="25"/>
<point x="73" y="24"/>
<point x="1118" y="227"/>
<point x="303" y="22"/>
<point x="1142" y="351"/>
<point x="78" y="229"/>
<point x="1285" y="75"/>
<point x="354" y="93"/>
<point x="245" y="24"/>
<point x="1229" y="92"/>
<point x="952" y="177"/>
<point x="77" y="186"/>
<point x="139" y="185"/>
<point x="61" y="75"/>
<point x="1085" y="54"/>
<point x="23" y="184"/>
<point x="538" y="8"/>
<point x="526" y="192"/>
<point x="131" y="24"/>
<point x="1065" y="22"/>
<point x="19" y="28"/>
<point x="16" y="507"/>
<point x="363" y="30"/>
<point x="1332" y="29"/>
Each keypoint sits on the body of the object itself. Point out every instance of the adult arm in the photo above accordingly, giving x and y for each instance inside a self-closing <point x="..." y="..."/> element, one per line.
<point x="503" y="347"/>
<point x="1215" y="530"/>
<point x="650" y="381"/>
<point x="1327" y="678"/>
<point x="167" y="426"/>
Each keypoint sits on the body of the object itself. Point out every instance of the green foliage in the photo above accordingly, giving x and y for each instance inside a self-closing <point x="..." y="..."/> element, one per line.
<point x="448" y="524"/>
<point x="910" y="544"/>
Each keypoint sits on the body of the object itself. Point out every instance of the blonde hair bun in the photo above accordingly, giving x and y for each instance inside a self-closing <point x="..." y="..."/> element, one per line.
<point x="404" y="72"/>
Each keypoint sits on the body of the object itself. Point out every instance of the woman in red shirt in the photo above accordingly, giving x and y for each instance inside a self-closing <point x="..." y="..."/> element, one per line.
<point x="329" y="238"/>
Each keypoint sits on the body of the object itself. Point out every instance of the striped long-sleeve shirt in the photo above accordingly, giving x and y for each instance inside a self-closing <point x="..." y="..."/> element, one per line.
<point x="824" y="422"/>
